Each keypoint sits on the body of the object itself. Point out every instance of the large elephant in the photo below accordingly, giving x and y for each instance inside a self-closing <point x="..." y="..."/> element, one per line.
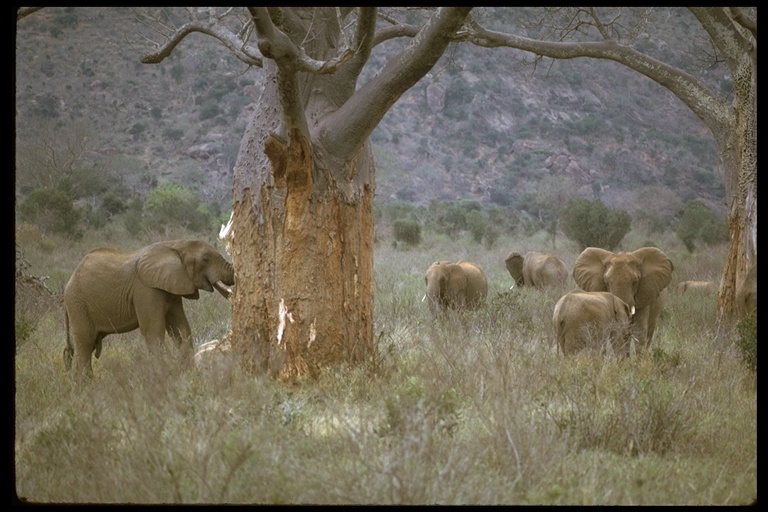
<point x="639" y="278"/>
<point x="746" y="293"/>
<point x="115" y="292"/>
<point x="537" y="269"/>
<point x="455" y="286"/>
<point x="592" y="320"/>
<point x="697" y="286"/>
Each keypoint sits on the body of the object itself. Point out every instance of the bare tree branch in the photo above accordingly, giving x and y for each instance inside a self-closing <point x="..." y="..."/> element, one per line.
<point x="23" y="12"/>
<point x="355" y="120"/>
<point x="212" y="28"/>
<point x="684" y="86"/>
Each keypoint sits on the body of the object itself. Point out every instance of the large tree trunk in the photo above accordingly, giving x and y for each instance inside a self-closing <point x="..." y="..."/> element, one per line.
<point x="303" y="249"/>
<point x="738" y="147"/>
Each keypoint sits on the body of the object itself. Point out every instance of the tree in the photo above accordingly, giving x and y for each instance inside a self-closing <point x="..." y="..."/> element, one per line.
<point x="302" y="229"/>
<point x="613" y="34"/>
<point x="592" y="224"/>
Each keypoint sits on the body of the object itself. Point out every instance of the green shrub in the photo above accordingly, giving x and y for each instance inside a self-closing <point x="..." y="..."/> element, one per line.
<point x="476" y="224"/>
<point x="747" y="340"/>
<point x="52" y="210"/>
<point x="592" y="224"/>
<point x="172" y="204"/>
<point x="407" y="231"/>
<point x="699" y="223"/>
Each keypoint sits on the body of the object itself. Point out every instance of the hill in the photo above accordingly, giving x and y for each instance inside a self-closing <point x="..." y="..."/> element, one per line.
<point x="480" y="126"/>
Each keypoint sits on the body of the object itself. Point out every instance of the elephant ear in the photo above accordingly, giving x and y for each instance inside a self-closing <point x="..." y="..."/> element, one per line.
<point x="589" y="268"/>
<point x="656" y="270"/>
<point x="514" y="264"/>
<point x="162" y="267"/>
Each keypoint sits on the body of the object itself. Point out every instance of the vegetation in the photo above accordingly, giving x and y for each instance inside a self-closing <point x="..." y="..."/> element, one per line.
<point x="700" y="224"/>
<point x="407" y="231"/>
<point x="475" y="411"/>
<point x="592" y="224"/>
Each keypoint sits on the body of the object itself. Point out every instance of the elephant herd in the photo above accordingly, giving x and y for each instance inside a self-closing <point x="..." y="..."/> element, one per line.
<point x="620" y="298"/>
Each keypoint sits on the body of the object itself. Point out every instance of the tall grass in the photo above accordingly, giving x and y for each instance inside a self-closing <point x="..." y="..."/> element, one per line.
<point x="477" y="409"/>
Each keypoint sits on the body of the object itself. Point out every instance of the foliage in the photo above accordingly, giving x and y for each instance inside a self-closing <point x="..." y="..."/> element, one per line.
<point x="52" y="210"/>
<point x="173" y="204"/>
<point x="592" y="224"/>
<point x="747" y="340"/>
<point x="699" y="223"/>
<point x="477" y="225"/>
<point x="407" y="231"/>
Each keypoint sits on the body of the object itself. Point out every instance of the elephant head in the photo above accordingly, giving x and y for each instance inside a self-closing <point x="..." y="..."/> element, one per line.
<point x="638" y="278"/>
<point x="111" y="291"/>
<point x="592" y="319"/>
<point x="455" y="286"/>
<point x="182" y="267"/>
<point x="537" y="269"/>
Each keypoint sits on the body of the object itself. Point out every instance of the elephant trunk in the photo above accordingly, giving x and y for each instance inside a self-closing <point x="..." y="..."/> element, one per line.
<point x="224" y="285"/>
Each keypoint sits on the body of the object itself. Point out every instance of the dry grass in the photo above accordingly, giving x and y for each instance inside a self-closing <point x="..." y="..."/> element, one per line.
<point x="472" y="410"/>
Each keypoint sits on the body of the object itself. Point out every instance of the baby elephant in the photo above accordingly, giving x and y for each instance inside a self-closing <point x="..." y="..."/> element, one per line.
<point x="592" y="320"/>
<point x="699" y="286"/>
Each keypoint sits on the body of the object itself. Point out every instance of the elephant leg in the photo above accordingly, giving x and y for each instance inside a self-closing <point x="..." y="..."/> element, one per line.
<point x="84" y="342"/>
<point x="178" y="328"/>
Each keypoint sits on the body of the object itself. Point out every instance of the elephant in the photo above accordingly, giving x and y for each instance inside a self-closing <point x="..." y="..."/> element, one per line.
<point x="746" y="293"/>
<point x="591" y="320"/>
<point x="455" y="286"/>
<point x="699" y="286"/>
<point x="639" y="278"/>
<point x="112" y="291"/>
<point x="537" y="269"/>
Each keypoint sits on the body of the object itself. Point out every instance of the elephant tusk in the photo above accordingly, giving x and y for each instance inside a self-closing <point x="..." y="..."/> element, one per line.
<point x="424" y="297"/>
<point x="223" y="289"/>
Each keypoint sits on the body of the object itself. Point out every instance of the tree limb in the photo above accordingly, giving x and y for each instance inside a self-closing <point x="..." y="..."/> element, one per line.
<point x="351" y="125"/>
<point x="695" y="95"/>
<point x="236" y="45"/>
<point x="23" y="12"/>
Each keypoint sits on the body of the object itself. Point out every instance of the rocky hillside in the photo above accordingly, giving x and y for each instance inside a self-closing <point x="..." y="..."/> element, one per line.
<point x="479" y="126"/>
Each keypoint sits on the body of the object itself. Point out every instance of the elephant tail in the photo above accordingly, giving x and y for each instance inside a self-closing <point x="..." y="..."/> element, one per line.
<point x="69" y="351"/>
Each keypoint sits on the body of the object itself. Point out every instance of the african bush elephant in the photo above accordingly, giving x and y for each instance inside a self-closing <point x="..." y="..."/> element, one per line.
<point x="592" y="320"/>
<point x="639" y="278"/>
<point x="746" y="293"/>
<point x="698" y="286"/>
<point x="455" y="286"/>
<point x="536" y="269"/>
<point x="115" y="292"/>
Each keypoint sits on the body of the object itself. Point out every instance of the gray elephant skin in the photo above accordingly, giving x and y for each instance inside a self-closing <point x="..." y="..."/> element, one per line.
<point x="455" y="286"/>
<point x="639" y="278"/>
<point x="537" y="269"/>
<point x="116" y="292"/>
<point x="746" y="293"/>
<point x="697" y="286"/>
<point x="592" y="320"/>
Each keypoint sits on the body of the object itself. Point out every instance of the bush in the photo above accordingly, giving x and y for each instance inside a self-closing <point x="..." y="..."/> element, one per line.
<point x="52" y="210"/>
<point x="699" y="223"/>
<point x="476" y="224"/>
<point x="592" y="224"/>
<point x="407" y="231"/>
<point x="172" y="204"/>
<point x="747" y="340"/>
